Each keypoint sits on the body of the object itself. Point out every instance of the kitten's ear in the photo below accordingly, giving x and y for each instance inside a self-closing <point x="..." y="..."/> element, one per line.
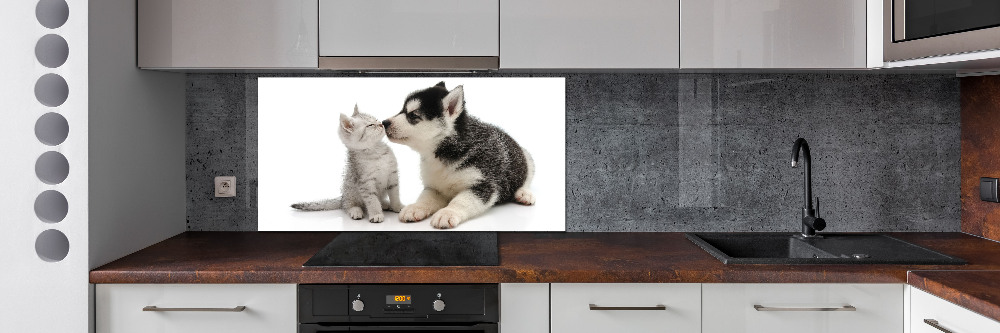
<point x="355" y="110"/>
<point x="440" y="84"/>
<point x="454" y="103"/>
<point x="346" y="123"/>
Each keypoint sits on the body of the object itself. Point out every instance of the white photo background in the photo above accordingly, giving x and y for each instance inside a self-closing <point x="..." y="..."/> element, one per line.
<point x="301" y="158"/>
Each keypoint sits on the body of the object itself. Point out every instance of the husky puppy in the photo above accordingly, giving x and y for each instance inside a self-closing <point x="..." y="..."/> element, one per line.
<point x="467" y="165"/>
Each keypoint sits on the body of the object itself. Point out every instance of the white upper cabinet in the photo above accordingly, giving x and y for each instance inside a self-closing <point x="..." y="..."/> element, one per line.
<point x="589" y="34"/>
<point x="407" y="28"/>
<point x="227" y="34"/>
<point x="777" y="33"/>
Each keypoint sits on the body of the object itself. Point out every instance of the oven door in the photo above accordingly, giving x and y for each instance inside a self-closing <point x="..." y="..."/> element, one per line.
<point x="927" y="28"/>
<point x="471" y="328"/>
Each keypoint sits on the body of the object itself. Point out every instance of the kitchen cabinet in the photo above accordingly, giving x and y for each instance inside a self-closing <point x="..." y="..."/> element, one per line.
<point x="626" y="307"/>
<point x="930" y="314"/>
<point x="802" y="308"/>
<point x="405" y="28"/>
<point x="524" y="308"/>
<point x="221" y="34"/>
<point x="589" y="34"/>
<point x="196" y="308"/>
<point x="779" y="34"/>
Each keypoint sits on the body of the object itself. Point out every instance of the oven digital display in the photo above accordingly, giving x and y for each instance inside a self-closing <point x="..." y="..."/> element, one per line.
<point x="397" y="299"/>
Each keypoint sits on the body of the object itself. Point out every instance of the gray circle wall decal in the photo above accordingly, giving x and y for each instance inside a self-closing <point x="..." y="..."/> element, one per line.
<point x="51" y="129"/>
<point x="52" y="245"/>
<point x="51" y="90"/>
<point x="52" y="168"/>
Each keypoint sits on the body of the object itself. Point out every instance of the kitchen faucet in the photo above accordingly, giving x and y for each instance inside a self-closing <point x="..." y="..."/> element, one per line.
<point x="810" y="222"/>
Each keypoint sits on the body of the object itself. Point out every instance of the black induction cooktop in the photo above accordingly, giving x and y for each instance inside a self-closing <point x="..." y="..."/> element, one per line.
<point x="433" y="248"/>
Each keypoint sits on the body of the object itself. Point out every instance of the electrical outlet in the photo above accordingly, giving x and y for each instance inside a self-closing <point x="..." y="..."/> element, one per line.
<point x="225" y="186"/>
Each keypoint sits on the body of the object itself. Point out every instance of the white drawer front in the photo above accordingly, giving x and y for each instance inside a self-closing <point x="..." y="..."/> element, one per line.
<point x="948" y="315"/>
<point x="571" y="310"/>
<point x="269" y="308"/>
<point x="729" y="308"/>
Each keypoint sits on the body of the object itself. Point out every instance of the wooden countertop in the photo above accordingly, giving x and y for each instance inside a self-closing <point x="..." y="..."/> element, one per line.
<point x="277" y="257"/>
<point x="978" y="291"/>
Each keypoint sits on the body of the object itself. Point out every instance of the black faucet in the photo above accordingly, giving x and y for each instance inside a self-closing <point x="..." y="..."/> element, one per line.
<point x="810" y="222"/>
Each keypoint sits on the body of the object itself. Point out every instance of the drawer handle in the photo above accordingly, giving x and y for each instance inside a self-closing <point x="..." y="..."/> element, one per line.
<point x="234" y="309"/>
<point x="759" y="307"/>
<point x="935" y="324"/>
<point x="628" y="308"/>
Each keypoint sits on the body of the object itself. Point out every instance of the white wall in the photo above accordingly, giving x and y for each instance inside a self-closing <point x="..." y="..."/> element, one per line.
<point x="137" y="184"/>
<point x="124" y="124"/>
<point x="37" y="295"/>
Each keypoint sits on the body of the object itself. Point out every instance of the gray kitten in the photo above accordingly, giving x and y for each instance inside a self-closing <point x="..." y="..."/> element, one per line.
<point x="371" y="179"/>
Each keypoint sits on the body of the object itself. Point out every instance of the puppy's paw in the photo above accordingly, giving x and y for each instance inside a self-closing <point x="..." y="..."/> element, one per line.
<point x="395" y="207"/>
<point x="356" y="213"/>
<point x="385" y="205"/>
<point x="377" y="218"/>
<point x="414" y="213"/>
<point x="446" y="218"/>
<point x="524" y="196"/>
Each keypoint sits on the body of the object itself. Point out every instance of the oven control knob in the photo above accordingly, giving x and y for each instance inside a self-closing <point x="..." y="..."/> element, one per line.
<point x="438" y="305"/>
<point x="358" y="305"/>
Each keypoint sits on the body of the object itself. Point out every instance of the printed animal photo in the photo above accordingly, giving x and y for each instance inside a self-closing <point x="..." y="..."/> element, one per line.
<point x="411" y="154"/>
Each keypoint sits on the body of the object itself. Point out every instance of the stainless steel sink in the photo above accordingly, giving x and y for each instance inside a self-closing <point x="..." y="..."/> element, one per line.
<point x="788" y="248"/>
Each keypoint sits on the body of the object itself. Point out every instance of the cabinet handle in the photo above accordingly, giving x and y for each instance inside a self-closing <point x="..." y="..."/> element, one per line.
<point x="233" y="309"/>
<point x="759" y="307"/>
<point x="935" y="324"/>
<point x="630" y="308"/>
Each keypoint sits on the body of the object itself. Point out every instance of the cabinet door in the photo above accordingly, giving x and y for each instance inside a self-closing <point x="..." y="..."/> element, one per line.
<point x="269" y="308"/>
<point x="626" y="307"/>
<point x="589" y="34"/>
<point x="773" y="34"/>
<point x="802" y="308"/>
<point x="409" y="28"/>
<point x="227" y="34"/>
<point x="524" y="308"/>
<point x="951" y="317"/>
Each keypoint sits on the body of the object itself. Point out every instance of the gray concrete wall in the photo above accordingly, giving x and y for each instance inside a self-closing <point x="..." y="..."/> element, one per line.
<point x="682" y="152"/>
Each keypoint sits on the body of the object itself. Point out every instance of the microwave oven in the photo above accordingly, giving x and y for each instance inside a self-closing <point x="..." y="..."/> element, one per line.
<point x="915" y="29"/>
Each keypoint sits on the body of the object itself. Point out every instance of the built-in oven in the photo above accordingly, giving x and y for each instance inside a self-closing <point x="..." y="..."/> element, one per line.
<point x="927" y="28"/>
<point x="466" y="308"/>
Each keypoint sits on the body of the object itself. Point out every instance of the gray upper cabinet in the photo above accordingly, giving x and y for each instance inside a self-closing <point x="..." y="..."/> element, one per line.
<point x="776" y="34"/>
<point x="220" y="34"/>
<point x="589" y="34"/>
<point x="408" y="28"/>
<point x="409" y="34"/>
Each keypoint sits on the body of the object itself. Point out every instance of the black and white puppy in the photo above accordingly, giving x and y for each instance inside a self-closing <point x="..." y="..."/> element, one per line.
<point x="467" y="165"/>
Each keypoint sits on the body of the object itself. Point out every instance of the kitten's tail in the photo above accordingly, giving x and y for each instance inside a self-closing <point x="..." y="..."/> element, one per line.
<point x="330" y="204"/>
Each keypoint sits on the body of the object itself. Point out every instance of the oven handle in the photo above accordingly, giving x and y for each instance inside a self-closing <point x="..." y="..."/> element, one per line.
<point x="418" y="327"/>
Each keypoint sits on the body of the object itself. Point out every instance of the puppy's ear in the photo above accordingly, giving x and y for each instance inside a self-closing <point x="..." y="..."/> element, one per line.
<point x="346" y="123"/>
<point x="440" y="84"/>
<point x="454" y="103"/>
<point x="355" y="110"/>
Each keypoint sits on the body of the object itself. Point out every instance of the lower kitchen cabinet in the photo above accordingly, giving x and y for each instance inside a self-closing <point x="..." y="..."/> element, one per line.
<point x="930" y="314"/>
<point x="195" y="308"/>
<point x="626" y="307"/>
<point x="802" y="308"/>
<point x="524" y="308"/>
